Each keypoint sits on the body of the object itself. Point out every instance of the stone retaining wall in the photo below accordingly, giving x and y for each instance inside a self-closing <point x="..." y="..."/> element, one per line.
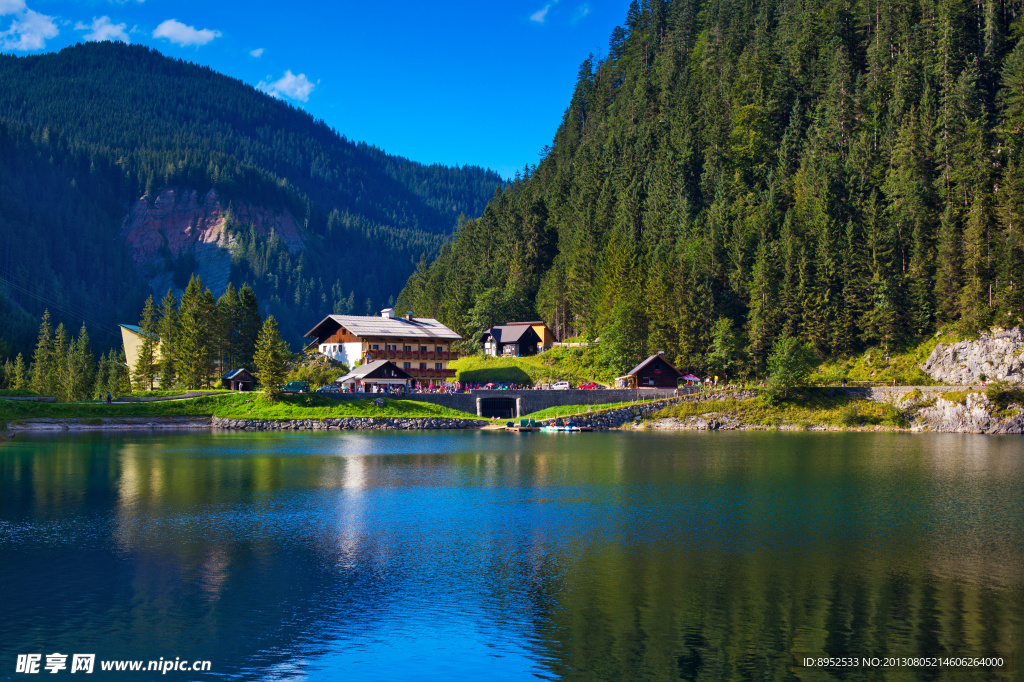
<point x="347" y="424"/>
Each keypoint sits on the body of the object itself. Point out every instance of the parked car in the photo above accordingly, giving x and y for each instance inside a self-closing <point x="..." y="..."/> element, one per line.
<point x="561" y="386"/>
<point x="295" y="387"/>
<point x="328" y="389"/>
<point x="591" y="385"/>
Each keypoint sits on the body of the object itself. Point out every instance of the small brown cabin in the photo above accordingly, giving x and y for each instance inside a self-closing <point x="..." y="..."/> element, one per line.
<point x="654" y="372"/>
<point x="238" y="380"/>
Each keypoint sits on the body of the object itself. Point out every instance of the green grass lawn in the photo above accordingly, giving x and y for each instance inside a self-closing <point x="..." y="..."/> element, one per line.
<point x="233" y="405"/>
<point x="576" y="365"/>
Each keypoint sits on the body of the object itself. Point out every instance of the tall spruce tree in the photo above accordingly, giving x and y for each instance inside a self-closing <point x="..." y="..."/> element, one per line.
<point x="270" y="356"/>
<point x="42" y="358"/>
<point x="147" y="362"/>
<point x="168" y="329"/>
<point x="194" y="346"/>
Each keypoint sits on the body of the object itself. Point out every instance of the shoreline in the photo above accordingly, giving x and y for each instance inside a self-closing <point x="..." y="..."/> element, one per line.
<point x="877" y="411"/>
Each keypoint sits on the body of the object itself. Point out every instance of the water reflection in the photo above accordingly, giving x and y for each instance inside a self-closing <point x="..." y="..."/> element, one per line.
<point x="602" y="556"/>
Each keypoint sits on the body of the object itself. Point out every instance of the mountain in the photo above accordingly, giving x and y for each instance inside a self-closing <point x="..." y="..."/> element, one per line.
<point x="843" y="171"/>
<point x="123" y="172"/>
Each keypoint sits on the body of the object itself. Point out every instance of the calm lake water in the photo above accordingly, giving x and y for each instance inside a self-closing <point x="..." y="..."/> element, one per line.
<point x="450" y="556"/>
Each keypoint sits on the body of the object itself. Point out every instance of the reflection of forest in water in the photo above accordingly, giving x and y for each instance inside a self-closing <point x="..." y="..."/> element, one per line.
<point x="617" y="556"/>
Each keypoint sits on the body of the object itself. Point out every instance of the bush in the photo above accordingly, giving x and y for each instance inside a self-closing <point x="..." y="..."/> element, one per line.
<point x="850" y="415"/>
<point x="789" y="365"/>
<point x="893" y="417"/>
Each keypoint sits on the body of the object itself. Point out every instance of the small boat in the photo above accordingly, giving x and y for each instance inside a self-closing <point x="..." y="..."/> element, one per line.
<point x="560" y="426"/>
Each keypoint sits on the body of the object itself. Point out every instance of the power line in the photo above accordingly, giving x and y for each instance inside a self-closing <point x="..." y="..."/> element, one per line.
<point x="67" y="310"/>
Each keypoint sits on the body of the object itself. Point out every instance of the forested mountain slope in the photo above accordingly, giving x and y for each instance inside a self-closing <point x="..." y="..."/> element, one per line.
<point x="235" y="185"/>
<point x="845" y="171"/>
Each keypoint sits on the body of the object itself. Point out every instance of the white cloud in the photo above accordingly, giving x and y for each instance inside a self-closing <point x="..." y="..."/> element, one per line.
<point x="289" y="85"/>
<point x="184" y="35"/>
<point x="540" y="14"/>
<point x="11" y="7"/>
<point x="103" y="29"/>
<point x="28" y="31"/>
<point x="258" y="52"/>
<point x="581" y="11"/>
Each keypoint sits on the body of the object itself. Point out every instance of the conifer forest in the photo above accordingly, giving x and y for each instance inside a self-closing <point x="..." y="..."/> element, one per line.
<point x="846" y="172"/>
<point x="88" y="131"/>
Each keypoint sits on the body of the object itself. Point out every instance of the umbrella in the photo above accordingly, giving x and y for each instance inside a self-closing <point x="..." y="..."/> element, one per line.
<point x="690" y="377"/>
<point x="490" y="385"/>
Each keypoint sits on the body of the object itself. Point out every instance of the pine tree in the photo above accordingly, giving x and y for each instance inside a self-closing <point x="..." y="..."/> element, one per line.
<point x="59" y="378"/>
<point x="193" y="349"/>
<point x="146" y="367"/>
<point x="249" y="324"/>
<point x="21" y="376"/>
<point x="42" y="368"/>
<point x="270" y="356"/>
<point x="227" y="322"/>
<point x="168" y="331"/>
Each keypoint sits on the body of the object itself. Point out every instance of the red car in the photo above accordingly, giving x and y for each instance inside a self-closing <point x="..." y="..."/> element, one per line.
<point x="591" y="385"/>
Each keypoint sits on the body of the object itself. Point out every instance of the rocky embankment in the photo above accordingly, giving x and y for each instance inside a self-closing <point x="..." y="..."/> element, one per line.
<point x="997" y="355"/>
<point x="614" y="419"/>
<point x="933" y="409"/>
<point x="976" y="414"/>
<point x="347" y="424"/>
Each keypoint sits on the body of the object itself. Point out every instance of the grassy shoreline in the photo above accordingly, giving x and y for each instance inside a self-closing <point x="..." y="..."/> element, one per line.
<point x="231" y="405"/>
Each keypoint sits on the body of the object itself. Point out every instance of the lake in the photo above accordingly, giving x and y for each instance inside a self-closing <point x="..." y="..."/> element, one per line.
<point x="451" y="555"/>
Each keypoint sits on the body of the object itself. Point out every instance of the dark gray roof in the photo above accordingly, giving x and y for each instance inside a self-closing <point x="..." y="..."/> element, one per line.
<point x="234" y="373"/>
<point x="509" y="333"/>
<point x="419" y="327"/>
<point x="648" y="360"/>
<point x="369" y="368"/>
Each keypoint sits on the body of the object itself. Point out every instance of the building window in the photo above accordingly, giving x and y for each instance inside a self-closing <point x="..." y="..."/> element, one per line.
<point x="376" y="346"/>
<point x="423" y="365"/>
<point x="408" y="349"/>
<point x="438" y="365"/>
<point x="406" y="365"/>
<point x="423" y="349"/>
<point x="440" y="349"/>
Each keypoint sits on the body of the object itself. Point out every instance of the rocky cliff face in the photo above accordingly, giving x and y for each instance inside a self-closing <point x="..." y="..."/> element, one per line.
<point x="996" y="356"/>
<point x="975" y="415"/>
<point x="185" y="223"/>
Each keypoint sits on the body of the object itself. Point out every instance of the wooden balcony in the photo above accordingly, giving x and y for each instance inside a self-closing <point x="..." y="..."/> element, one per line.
<point x="411" y="356"/>
<point x="431" y="373"/>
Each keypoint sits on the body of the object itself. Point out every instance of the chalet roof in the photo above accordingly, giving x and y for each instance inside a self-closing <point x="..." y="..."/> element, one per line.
<point x="516" y="324"/>
<point x="135" y="329"/>
<point x="234" y="373"/>
<point x="418" y="327"/>
<point x="510" y="333"/>
<point x="369" y="368"/>
<point x="650" y="360"/>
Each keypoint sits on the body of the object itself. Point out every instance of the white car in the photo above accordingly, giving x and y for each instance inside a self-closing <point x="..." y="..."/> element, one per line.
<point x="561" y="386"/>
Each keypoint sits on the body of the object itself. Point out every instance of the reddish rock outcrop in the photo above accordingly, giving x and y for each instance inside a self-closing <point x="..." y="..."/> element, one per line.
<point x="183" y="222"/>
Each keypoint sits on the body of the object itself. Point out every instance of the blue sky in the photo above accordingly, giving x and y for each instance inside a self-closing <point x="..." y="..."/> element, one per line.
<point x="449" y="82"/>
